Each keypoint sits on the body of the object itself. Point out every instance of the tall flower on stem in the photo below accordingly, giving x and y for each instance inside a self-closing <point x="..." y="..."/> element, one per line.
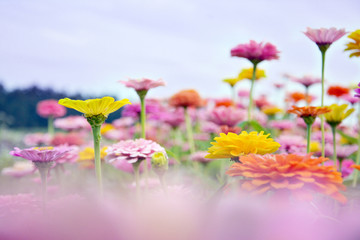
<point x="232" y="82"/>
<point x="323" y="38"/>
<point x="186" y="99"/>
<point x="43" y="159"/>
<point x="255" y="53"/>
<point x="306" y="81"/>
<point x="142" y="86"/>
<point x="337" y="114"/>
<point x="308" y="114"/>
<point x="96" y="112"/>
<point x="50" y="109"/>
<point x="134" y="152"/>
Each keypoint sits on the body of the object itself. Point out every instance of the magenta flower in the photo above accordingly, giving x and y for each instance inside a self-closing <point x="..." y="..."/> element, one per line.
<point x="133" y="150"/>
<point x="352" y="100"/>
<point x="292" y="144"/>
<point x="307" y="81"/>
<point x="152" y="109"/>
<point x="228" y="116"/>
<point x="143" y="83"/>
<point x="50" y="108"/>
<point x="357" y="90"/>
<point x="324" y="36"/>
<point x="255" y="52"/>
<point x="42" y="154"/>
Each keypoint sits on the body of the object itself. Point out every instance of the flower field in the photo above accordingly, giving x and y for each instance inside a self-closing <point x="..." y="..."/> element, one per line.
<point x="189" y="167"/>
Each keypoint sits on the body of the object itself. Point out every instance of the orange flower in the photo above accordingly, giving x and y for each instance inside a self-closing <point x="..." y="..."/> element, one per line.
<point x="186" y="98"/>
<point x="224" y="102"/>
<point x="338" y="91"/>
<point x="226" y="129"/>
<point x="308" y="111"/>
<point x="357" y="167"/>
<point x="300" y="176"/>
<point x="298" y="96"/>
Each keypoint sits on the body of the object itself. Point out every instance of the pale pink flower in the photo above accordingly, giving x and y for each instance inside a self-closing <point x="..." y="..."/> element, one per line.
<point x="50" y="108"/>
<point x="307" y="81"/>
<point x="72" y="123"/>
<point x="71" y="155"/>
<point x="118" y="134"/>
<point x="226" y="116"/>
<point x="255" y="52"/>
<point x="200" y="157"/>
<point x="282" y="124"/>
<point x="243" y="93"/>
<point x="143" y="83"/>
<point x="19" y="169"/>
<point x="73" y="138"/>
<point x="125" y="166"/>
<point x="133" y="150"/>
<point x="292" y="144"/>
<point x="324" y="36"/>
<point x="352" y="100"/>
<point x="37" y="139"/>
<point x="124" y="122"/>
<point x="45" y="154"/>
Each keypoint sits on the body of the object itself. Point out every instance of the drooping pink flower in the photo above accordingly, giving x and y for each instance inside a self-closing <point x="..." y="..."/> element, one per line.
<point x="42" y="154"/>
<point x="133" y="150"/>
<point x="307" y="81"/>
<point x="352" y="100"/>
<point x="19" y="169"/>
<point x="72" y="123"/>
<point x="226" y="116"/>
<point x="255" y="52"/>
<point x="324" y="36"/>
<point x="143" y="83"/>
<point x="50" y="108"/>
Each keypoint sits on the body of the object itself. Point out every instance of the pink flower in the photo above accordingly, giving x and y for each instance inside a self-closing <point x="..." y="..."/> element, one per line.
<point x="200" y="157"/>
<point x="307" y="81"/>
<point x="292" y="144"/>
<point x="352" y="100"/>
<point x="133" y="150"/>
<point x="73" y="138"/>
<point x="44" y="154"/>
<point x="124" y="122"/>
<point x="282" y="124"/>
<point x="143" y="83"/>
<point x="19" y="169"/>
<point x="37" y="139"/>
<point x="243" y="93"/>
<point x="72" y="123"/>
<point x="50" y="108"/>
<point x="324" y="36"/>
<point x="255" y="52"/>
<point x="226" y="116"/>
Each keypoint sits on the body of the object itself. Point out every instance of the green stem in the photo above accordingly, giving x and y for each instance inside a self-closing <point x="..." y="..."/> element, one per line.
<point x="251" y="92"/>
<point x="333" y="130"/>
<point x="322" y="102"/>
<point x="136" y="167"/>
<point x="308" y="135"/>
<point x="357" y="162"/>
<point x="189" y="131"/>
<point x="143" y="116"/>
<point x="51" y="130"/>
<point x="97" y="138"/>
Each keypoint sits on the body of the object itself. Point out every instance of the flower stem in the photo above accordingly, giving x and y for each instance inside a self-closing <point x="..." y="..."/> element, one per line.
<point x="322" y="102"/>
<point x="143" y="116"/>
<point x="136" y="166"/>
<point x="333" y="130"/>
<point x="308" y="133"/>
<point x="251" y="92"/>
<point x="233" y="92"/>
<point x="97" y="138"/>
<point x="357" y="153"/>
<point x="51" y="130"/>
<point x="189" y="131"/>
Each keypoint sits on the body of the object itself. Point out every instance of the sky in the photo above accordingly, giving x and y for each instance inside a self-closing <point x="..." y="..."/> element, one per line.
<point x="87" y="46"/>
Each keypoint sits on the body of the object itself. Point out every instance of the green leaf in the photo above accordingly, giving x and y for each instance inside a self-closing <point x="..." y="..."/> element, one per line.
<point x="350" y="139"/>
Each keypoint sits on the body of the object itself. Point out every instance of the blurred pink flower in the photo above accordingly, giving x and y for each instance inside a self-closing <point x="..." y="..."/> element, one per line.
<point x="72" y="138"/>
<point x="72" y="123"/>
<point x="282" y="124"/>
<point x="71" y="155"/>
<point x="307" y="81"/>
<point x="50" y="108"/>
<point x="200" y="157"/>
<point x="37" y="139"/>
<point x="255" y="52"/>
<point x="292" y="144"/>
<point x="324" y="36"/>
<point x="243" y="93"/>
<point x="174" y="117"/>
<point x="352" y="100"/>
<point x="44" y="154"/>
<point x="118" y="134"/>
<point x="125" y="166"/>
<point x="123" y="122"/>
<point x="342" y="151"/>
<point x="133" y="150"/>
<point x="11" y="205"/>
<point x="229" y="116"/>
<point x="143" y="83"/>
<point x="262" y="102"/>
<point x="19" y="169"/>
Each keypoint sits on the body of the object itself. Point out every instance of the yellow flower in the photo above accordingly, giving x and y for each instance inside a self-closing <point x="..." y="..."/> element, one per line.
<point x="354" y="45"/>
<point x="88" y="154"/>
<point x="93" y="107"/>
<point x="106" y="127"/>
<point x="233" y="145"/>
<point x="232" y="81"/>
<point x="337" y="114"/>
<point x="314" y="146"/>
<point x="247" y="73"/>
<point x="271" y="110"/>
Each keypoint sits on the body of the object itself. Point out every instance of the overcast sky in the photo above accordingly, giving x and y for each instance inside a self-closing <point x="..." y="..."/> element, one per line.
<point x="86" y="46"/>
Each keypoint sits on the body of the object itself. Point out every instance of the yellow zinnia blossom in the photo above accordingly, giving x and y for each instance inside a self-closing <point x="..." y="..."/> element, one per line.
<point x="231" y="81"/>
<point x="354" y="45"/>
<point x="232" y="145"/>
<point x="315" y="147"/>
<point x="271" y="110"/>
<point x="247" y="73"/>
<point x="88" y="154"/>
<point x="337" y="114"/>
<point x="92" y="107"/>
<point x="106" y="127"/>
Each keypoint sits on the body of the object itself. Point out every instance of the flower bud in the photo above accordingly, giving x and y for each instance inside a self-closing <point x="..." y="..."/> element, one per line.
<point x="159" y="162"/>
